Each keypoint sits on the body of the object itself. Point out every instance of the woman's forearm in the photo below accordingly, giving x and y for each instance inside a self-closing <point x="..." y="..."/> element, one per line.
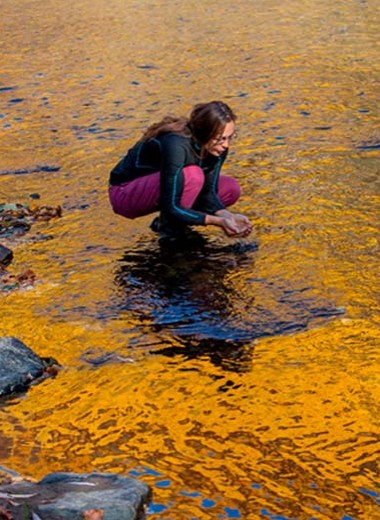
<point x="224" y="213"/>
<point x="214" y="220"/>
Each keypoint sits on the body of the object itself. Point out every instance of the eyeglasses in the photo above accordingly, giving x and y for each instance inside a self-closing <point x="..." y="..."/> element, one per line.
<point x="224" y="138"/>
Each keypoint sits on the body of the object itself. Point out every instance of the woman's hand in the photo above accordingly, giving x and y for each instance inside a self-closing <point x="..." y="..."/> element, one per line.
<point x="244" y="224"/>
<point x="233" y="224"/>
<point x="237" y="225"/>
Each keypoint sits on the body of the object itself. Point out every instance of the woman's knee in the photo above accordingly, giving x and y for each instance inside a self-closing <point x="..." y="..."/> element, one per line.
<point x="117" y="202"/>
<point x="136" y="198"/>
<point x="194" y="176"/>
<point x="229" y="190"/>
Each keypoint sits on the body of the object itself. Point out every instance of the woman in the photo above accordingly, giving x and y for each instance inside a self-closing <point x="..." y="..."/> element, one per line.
<point x="174" y="169"/>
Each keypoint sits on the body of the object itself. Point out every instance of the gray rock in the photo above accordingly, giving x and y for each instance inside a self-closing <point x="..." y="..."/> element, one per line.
<point x="66" y="496"/>
<point x="6" y="256"/>
<point x="19" y="366"/>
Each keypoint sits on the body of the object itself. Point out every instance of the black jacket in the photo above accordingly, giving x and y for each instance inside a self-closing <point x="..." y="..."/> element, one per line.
<point x="169" y="153"/>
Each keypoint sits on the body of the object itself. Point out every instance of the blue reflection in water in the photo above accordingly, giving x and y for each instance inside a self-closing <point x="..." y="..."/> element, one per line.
<point x="192" y="494"/>
<point x="372" y="494"/>
<point x="144" y="470"/>
<point x="163" y="483"/>
<point x="232" y="513"/>
<point x="156" y="508"/>
<point x="207" y="503"/>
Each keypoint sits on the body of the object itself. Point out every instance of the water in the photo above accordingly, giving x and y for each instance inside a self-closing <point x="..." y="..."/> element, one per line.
<point x="238" y="379"/>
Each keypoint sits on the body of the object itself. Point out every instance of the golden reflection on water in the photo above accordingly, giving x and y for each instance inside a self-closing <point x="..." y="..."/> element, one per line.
<point x="285" y="424"/>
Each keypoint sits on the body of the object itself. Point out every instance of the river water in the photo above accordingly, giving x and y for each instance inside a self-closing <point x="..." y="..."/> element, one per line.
<point x="238" y="378"/>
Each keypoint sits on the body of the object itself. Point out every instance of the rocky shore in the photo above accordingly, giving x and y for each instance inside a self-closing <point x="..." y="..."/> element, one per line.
<point x="58" y="496"/>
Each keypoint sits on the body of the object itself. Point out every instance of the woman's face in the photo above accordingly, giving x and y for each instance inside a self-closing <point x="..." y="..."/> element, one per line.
<point x="220" y="143"/>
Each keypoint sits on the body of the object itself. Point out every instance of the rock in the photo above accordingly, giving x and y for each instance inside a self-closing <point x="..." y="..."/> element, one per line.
<point x="20" y="366"/>
<point x="9" y="281"/>
<point x="72" y="496"/>
<point x="6" y="256"/>
<point x="16" y="219"/>
<point x="13" y="219"/>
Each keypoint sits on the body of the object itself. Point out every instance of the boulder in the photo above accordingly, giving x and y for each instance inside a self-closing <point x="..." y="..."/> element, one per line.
<point x="72" y="496"/>
<point x="20" y="366"/>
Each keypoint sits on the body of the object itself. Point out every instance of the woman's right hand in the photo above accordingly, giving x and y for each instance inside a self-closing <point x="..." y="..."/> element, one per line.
<point x="236" y="225"/>
<point x="233" y="224"/>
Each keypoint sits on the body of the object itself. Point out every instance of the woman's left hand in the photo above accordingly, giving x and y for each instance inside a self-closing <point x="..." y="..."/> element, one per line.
<point x="244" y="225"/>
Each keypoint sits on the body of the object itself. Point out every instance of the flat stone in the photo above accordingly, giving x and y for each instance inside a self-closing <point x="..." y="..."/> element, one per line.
<point x="66" y="496"/>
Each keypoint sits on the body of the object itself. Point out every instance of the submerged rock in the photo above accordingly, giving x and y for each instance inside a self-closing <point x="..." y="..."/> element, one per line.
<point x="20" y="366"/>
<point x="16" y="219"/>
<point x="6" y="256"/>
<point x="9" y="282"/>
<point x="72" y="496"/>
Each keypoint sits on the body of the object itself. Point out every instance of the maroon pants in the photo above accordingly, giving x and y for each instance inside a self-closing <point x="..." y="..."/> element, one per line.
<point x="142" y="196"/>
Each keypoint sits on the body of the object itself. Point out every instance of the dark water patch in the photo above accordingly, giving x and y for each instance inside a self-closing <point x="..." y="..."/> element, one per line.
<point x="235" y="356"/>
<point x="189" y="293"/>
<point x="98" y="248"/>
<point x="322" y="128"/>
<point x="118" y="117"/>
<point x="16" y="100"/>
<point x="7" y="89"/>
<point x="81" y="132"/>
<point x="32" y="169"/>
<point x="370" y="145"/>
<point x="269" y="105"/>
<point x="147" y="67"/>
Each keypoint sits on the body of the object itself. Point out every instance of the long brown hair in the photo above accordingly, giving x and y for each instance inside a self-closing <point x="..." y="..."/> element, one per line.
<point x="167" y="124"/>
<point x="207" y="120"/>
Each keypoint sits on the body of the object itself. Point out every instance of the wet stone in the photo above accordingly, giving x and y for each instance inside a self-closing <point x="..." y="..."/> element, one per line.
<point x="6" y="256"/>
<point x="20" y="366"/>
<point x="72" y="496"/>
<point x="16" y="219"/>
